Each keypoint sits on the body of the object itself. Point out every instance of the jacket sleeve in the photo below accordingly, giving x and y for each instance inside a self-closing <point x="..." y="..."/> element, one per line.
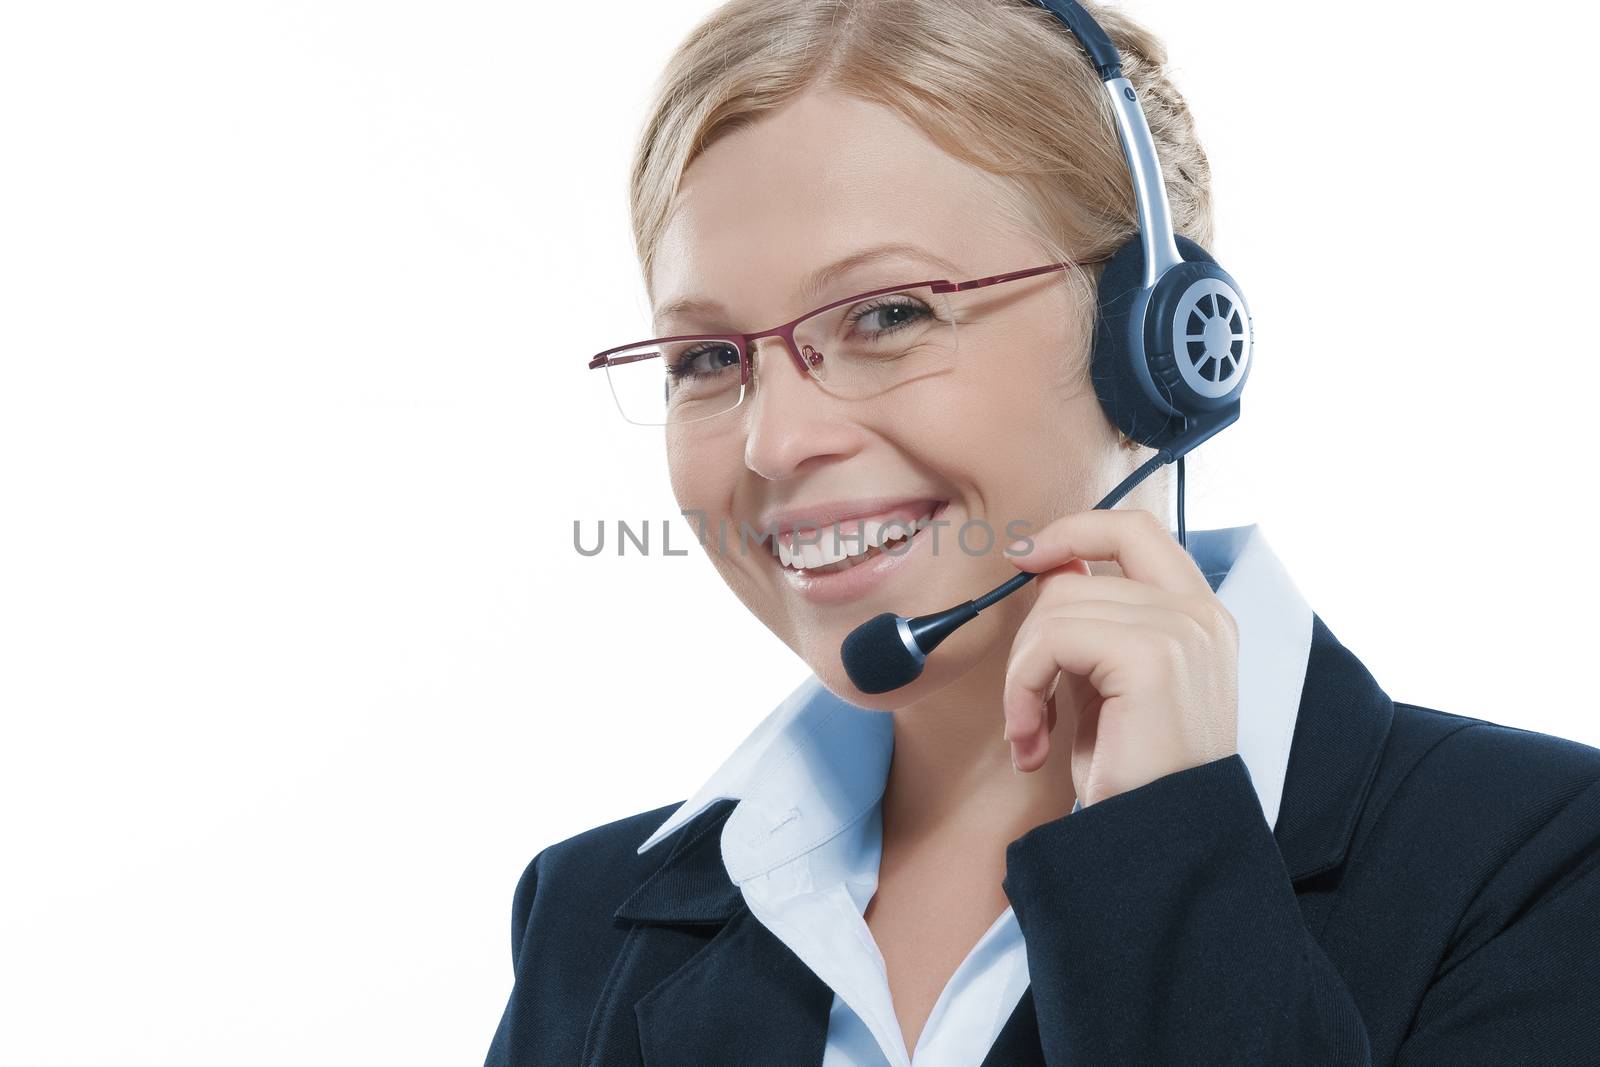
<point x="500" y="1048"/>
<point x="1162" y="927"/>
<point x="1521" y="982"/>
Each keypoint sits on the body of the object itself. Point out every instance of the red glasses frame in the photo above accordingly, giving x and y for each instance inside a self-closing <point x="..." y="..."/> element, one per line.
<point x="745" y="342"/>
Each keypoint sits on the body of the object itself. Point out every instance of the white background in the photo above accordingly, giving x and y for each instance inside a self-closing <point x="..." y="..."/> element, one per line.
<point x="298" y="664"/>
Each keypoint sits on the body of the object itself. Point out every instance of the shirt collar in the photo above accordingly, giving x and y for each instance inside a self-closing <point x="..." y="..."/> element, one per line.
<point x="817" y="763"/>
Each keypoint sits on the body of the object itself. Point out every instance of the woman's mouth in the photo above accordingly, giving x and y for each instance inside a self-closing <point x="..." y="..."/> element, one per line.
<point x="842" y="560"/>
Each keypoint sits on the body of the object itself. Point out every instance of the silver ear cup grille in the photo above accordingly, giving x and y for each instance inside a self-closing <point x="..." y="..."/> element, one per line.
<point x="1213" y="335"/>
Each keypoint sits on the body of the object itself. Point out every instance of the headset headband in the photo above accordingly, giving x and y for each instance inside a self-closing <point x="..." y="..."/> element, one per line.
<point x="1149" y="191"/>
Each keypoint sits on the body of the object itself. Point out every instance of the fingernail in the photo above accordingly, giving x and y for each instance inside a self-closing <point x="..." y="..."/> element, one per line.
<point x="1015" y="770"/>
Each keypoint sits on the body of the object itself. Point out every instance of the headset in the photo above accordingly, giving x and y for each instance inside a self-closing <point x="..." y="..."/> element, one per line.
<point x="1173" y="341"/>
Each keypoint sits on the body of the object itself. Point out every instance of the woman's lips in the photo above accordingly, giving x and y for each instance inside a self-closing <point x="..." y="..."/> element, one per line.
<point x="854" y="581"/>
<point x="825" y="518"/>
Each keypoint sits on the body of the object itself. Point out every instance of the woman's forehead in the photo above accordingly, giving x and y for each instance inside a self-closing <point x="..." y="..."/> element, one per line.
<point x="820" y="180"/>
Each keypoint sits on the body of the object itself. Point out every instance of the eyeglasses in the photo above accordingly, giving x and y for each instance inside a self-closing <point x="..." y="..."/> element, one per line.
<point x="853" y="348"/>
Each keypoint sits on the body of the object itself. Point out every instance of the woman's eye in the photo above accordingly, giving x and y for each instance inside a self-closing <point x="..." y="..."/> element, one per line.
<point x="705" y="360"/>
<point x="888" y="317"/>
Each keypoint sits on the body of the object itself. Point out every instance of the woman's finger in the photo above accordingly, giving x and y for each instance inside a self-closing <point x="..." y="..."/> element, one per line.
<point x="1134" y="538"/>
<point x="1090" y="647"/>
<point x="1068" y="585"/>
<point x="1169" y="617"/>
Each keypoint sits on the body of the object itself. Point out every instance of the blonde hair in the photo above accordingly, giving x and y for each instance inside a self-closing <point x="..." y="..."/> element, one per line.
<point x="998" y="84"/>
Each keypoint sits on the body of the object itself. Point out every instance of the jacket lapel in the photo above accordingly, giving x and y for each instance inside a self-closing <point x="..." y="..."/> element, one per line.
<point x="1339" y="735"/>
<point x="745" y="998"/>
<point x="700" y="979"/>
<point x="1018" y="1043"/>
<point x="692" y="883"/>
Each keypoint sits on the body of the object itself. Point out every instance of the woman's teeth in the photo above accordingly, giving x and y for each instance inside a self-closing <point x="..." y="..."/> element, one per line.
<point x="842" y="547"/>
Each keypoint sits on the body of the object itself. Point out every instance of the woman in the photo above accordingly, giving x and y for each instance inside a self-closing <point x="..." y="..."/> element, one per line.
<point x="1206" y="835"/>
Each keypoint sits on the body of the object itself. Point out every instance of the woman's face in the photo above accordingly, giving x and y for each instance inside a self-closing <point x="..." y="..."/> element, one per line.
<point x="1004" y="434"/>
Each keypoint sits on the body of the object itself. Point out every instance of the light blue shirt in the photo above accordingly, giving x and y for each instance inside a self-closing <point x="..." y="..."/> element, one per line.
<point x="804" y="842"/>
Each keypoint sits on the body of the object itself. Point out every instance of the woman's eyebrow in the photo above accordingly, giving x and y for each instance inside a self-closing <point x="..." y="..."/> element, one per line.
<point x="818" y="280"/>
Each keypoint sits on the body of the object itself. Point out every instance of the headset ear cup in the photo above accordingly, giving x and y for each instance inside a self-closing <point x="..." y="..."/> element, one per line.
<point x="1117" y="357"/>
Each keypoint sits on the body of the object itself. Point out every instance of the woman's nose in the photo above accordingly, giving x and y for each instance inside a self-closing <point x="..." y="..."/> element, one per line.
<point x="791" y="420"/>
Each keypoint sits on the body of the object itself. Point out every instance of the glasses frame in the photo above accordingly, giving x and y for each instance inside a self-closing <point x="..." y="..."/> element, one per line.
<point x="744" y="343"/>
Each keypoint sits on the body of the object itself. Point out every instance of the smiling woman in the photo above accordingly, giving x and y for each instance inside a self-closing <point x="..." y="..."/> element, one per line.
<point x="1243" y="851"/>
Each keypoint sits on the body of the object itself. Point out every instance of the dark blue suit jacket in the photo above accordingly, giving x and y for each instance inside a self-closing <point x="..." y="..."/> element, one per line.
<point x="1430" y="895"/>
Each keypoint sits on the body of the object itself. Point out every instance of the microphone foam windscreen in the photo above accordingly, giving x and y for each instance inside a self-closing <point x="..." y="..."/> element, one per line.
<point x="875" y="657"/>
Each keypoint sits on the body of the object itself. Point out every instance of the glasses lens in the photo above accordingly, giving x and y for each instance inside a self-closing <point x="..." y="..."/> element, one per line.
<point x="872" y="344"/>
<point x="668" y="382"/>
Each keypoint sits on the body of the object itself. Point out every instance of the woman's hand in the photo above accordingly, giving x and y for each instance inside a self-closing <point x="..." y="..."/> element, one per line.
<point x="1150" y="659"/>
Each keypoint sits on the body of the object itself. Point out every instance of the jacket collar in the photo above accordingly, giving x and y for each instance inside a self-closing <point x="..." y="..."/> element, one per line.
<point x="745" y="822"/>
